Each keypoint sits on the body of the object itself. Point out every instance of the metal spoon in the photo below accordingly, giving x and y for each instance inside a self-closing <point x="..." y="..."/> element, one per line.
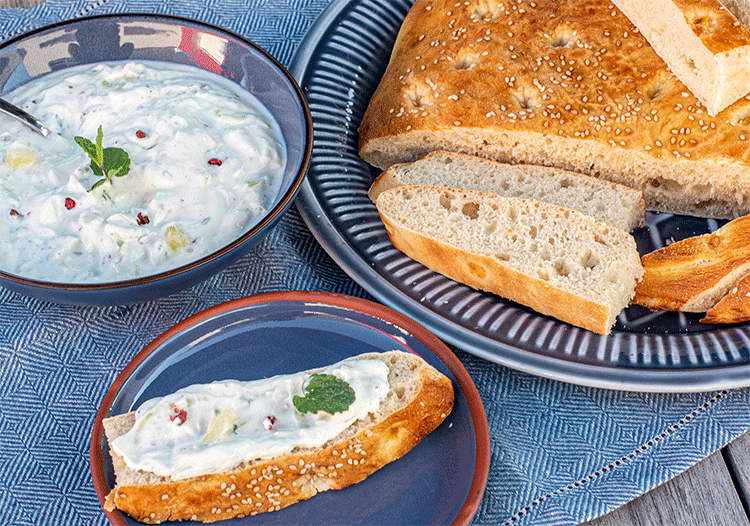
<point x="29" y="120"/>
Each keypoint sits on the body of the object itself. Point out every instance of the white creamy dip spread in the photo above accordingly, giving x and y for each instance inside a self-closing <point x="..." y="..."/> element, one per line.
<point x="206" y="161"/>
<point x="210" y="428"/>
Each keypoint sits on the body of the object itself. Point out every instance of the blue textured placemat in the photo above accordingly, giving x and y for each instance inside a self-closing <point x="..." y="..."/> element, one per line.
<point x="561" y="454"/>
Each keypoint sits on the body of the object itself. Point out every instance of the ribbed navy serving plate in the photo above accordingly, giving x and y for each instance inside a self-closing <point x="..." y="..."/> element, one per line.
<point x="338" y="66"/>
<point x="440" y="481"/>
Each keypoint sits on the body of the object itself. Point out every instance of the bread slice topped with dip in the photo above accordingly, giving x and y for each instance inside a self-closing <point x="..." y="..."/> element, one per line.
<point x="564" y="83"/>
<point x="233" y="449"/>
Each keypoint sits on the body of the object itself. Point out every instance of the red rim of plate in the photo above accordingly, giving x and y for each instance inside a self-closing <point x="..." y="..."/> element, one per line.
<point x="476" y="407"/>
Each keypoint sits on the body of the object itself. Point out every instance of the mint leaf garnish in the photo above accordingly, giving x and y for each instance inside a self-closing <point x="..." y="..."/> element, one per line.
<point x="325" y="392"/>
<point x="105" y="162"/>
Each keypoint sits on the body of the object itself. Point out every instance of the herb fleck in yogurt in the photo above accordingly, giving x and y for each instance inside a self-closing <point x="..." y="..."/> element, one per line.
<point x="175" y="205"/>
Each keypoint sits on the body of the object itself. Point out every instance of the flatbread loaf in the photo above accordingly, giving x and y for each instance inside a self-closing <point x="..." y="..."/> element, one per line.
<point x="419" y="399"/>
<point x="702" y="42"/>
<point x="564" y="83"/>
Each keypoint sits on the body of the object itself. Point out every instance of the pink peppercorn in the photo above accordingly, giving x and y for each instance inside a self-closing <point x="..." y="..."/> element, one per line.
<point x="140" y="134"/>
<point x="214" y="162"/>
<point x="178" y="415"/>
<point x="269" y="422"/>
<point x="69" y="203"/>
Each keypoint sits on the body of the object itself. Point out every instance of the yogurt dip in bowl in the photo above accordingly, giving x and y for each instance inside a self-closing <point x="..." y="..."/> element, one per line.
<point x="174" y="146"/>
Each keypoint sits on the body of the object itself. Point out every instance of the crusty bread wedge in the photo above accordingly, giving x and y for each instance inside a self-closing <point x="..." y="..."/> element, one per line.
<point x="419" y="399"/>
<point x="693" y="274"/>
<point x="732" y="308"/>
<point x="570" y="84"/>
<point x="610" y="203"/>
<point x="702" y="42"/>
<point x="554" y="260"/>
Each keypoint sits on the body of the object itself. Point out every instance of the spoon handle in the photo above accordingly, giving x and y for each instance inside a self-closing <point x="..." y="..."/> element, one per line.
<point x="17" y="113"/>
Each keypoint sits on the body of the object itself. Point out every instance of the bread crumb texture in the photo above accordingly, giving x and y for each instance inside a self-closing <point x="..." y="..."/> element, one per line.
<point x="555" y="260"/>
<point x="571" y="84"/>
<point x="606" y="202"/>
<point x="420" y="398"/>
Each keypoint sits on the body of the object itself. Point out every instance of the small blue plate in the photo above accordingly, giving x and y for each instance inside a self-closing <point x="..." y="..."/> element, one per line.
<point x="440" y="481"/>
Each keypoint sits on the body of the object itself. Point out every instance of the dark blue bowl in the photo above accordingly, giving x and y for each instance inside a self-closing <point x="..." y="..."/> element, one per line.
<point x="119" y="37"/>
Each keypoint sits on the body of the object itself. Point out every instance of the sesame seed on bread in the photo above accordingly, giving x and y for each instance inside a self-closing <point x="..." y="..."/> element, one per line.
<point x="564" y="83"/>
<point x="418" y="400"/>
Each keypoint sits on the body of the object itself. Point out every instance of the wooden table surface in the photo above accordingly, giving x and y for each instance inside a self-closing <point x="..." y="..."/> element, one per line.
<point x="714" y="492"/>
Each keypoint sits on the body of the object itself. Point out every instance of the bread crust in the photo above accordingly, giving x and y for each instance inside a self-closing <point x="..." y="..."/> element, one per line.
<point x="732" y="308"/>
<point x="567" y="84"/>
<point x="693" y="274"/>
<point x="270" y="485"/>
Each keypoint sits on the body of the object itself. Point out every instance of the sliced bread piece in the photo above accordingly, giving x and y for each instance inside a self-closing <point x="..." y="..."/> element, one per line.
<point x="554" y="260"/>
<point x="419" y="398"/>
<point x="606" y="202"/>
<point x="701" y="41"/>
<point x="693" y="274"/>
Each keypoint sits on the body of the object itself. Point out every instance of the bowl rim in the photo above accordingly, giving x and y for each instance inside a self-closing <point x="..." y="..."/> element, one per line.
<point x="271" y="217"/>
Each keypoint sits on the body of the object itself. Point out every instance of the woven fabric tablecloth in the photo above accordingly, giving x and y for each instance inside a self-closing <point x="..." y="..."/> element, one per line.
<point x="561" y="454"/>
